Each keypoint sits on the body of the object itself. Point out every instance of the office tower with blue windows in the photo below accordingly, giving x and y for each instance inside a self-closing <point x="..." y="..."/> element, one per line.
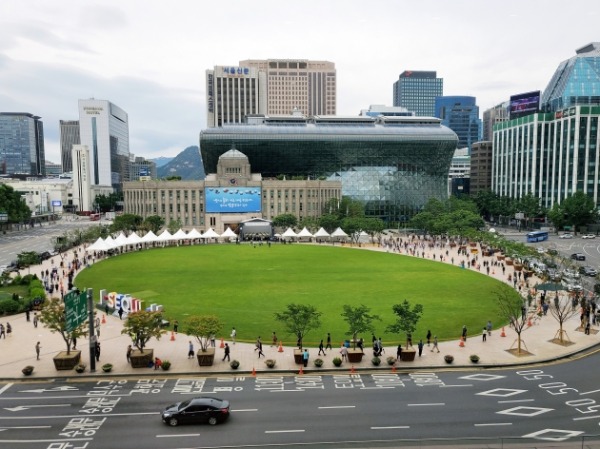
<point x="69" y="136"/>
<point x="554" y="151"/>
<point x="104" y="129"/>
<point x="417" y="91"/>
<point x="461" y="115"/>
<point x="21" y="144"/>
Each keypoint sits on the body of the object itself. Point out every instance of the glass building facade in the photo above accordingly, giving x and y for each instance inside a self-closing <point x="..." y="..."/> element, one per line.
<point x="21" y="144"/>
<point x="417" y="91"/>
<point x="69" y="136"/>
<point x="392" y="164"/>
<point x="461" y="115"/>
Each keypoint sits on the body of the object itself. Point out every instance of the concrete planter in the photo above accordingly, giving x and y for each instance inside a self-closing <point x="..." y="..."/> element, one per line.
<point x="206" y="358"/>
<point x="142" y="359"/>
<point x="408" y="355"/>
<point x="66" y="361"/>
<point x="355" y="355"/>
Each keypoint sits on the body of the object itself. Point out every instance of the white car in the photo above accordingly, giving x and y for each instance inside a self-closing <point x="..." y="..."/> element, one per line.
<point x="541" y="250"/>
<point x="566" y="236"/>
<point x="588" y="236"/>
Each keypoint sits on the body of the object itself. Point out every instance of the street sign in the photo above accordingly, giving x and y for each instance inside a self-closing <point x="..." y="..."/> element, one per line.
<point x="76" y="309"/>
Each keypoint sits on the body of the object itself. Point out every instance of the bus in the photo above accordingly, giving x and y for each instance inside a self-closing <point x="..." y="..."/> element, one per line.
<point x="537" y="236"/>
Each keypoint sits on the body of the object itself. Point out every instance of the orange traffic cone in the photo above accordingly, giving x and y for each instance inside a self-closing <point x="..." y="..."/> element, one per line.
<point x="280" y="346"/>
<point x="529" y="323"/>
<point x="172" y="336"/>
<point x="462" y="342"/>
<point x="103" y="319"/>
<point x="394" y="368"/>
<point x="502" y="334"/>
<point x="222" y="343"/>
<point x="352" y="370"/>
<point x="301" y="371"/>
<point x="253" y="371"/>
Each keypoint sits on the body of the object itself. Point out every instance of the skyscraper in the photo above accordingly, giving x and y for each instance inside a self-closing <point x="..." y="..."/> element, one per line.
<point x="496" y="114"/>
<point x="461" y="115"/>
<point x="21" y="144"/>
<point x="417" y="90"/>
<point x="298" y="84"/>
<point x="69" y="136"/>
<point x="104" y="129"/>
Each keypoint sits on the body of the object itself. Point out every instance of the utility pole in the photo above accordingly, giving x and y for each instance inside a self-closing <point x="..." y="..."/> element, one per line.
<point x="92" y="333"/>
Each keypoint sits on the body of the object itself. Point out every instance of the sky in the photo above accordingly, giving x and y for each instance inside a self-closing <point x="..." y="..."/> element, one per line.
<point x="149" y="57"/>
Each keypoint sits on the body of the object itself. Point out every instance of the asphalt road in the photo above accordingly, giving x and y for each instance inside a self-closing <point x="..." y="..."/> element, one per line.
<point x="555" y="404"/>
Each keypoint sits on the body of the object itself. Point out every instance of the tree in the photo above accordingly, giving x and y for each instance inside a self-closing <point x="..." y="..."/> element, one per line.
<point x="512" y="308"/>
<point x="557" y="217"/>
<point x="53" y="317"/>
<point x="203" y="327"/>
<point x="28" y="258"/>
<point x="174" y="226"/>
<point x="562" y="309"/>
<point x="285" y="220"/>
<point x="310" y="223"/>
<point x="406" y="320"/>
<point x="126" y="222"/>
<point x="142" y="326"/>
<point x="359" y="320"/>
<point x="579" y="210"/>
<point x="329" y="222"/>
<point x="12" y="203"/>
<point x="154" y="223"/>
<point x="299" y="319"/>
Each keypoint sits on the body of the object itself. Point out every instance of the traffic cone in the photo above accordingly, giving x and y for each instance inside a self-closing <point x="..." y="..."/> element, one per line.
<point x="280" y="346"/>
<point x="222" y="343"/>
<point x="352" y="370"/>
<point x="172" y="336"/>
<point x="462" y="342"/>
<point x="529" y="323"/>
<point x="502" y="334"/>
<point x="253" y="371"/>
<point x="394" y="368"/>
<point x="301" y="371"/>
<point x="103" y="319"/>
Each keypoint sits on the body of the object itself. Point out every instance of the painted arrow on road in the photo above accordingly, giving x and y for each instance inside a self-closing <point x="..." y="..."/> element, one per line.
<point x="24" y="427"/>
<point x="41" y="390"/>
<point x="20" y="408"/>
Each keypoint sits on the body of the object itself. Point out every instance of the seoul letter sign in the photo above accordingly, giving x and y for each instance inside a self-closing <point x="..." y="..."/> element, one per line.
<point x="76" y="309"/>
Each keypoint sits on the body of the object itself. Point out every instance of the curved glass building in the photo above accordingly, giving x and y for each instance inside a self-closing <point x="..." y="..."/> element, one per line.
<point x="392" y="164"/>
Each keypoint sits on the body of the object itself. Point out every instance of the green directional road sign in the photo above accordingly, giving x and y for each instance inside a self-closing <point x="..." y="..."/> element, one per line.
<point x="76" y="309"/>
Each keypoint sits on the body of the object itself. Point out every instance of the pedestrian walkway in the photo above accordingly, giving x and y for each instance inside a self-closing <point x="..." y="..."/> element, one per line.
<point x="18" y="349"/>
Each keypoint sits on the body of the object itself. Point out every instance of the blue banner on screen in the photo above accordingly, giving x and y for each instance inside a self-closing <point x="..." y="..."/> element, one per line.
<point x="236" y="199"/>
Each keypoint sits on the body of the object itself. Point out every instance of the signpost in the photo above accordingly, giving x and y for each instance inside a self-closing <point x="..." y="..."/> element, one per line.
<point x="76" y="309"/>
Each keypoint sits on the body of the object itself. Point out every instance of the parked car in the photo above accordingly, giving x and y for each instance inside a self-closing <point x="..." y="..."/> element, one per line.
<point x="577" y="256"/>
<point x="566" y="236"/>
<point x="588" y="271"/>
<point x="554" y="275"/>
<point x="197" y="410"/>
<point x="572" y="286"/>
<point x="45" y="255"/>
<point x="541" y="250"/>
<point x="588" y="236"/>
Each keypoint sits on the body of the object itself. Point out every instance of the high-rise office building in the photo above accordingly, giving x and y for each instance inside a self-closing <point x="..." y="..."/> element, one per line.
<point x="481" y="166"/>
<point x="555" y="153"/>
<point x="22" y="144"/>
<point x="375" y="110"/>
<point x="461" y="115"/>
<point x="69" y="136"/>
<point x="417" y="91"/>
<point x="104" y="129"/>
<point x="298" y="84"/>
<point x="496" y="114"/>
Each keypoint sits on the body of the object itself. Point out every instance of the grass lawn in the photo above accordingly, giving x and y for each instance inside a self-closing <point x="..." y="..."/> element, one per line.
<point x="245" y="285"/>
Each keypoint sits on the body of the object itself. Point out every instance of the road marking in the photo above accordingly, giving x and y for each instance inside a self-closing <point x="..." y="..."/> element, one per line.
<point x="177" y="436"/>
<point x="586" y="417"/>
<point x="457" y="385"/>
<point x="339" y="406"/>
<point x="246" y="410"/>
<point x="62" y="440"/>
<point x="494" y="424"/>
<point x="287" y="391"/>
<point x="20" y="408"/>
<point x="5" y="387"/>
<point x="23" y="427"/>
<point x="97" y="415"/>
<point x="41" y="390"/>
<point x="285" y="431"/>
<point x="515" y="401"/>
<point x="580" y="394"/>
<point x="390" y="427"/>
<point x="426" y="405"/>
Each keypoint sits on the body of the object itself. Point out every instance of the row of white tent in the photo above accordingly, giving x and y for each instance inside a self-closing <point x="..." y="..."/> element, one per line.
<point x="320" y="234"/>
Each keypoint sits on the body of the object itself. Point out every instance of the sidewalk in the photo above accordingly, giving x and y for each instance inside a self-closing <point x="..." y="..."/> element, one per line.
<point x="18" y="350"/>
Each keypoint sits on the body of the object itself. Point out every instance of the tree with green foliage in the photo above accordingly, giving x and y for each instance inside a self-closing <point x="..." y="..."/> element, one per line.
<point x="406" y="319"/>
<point x="174" y="226"/>
<point x="126" y="222"/>
<point x="359" y="320"/>
<point x="285" y="221"/>
<point x="202" y="327"/>
<point x="153" y="223"/>
<point x="579" y="210"/>
<point x="28" y="258"/>
<point x="310" y="223"/>
<point x="530" y="206"/>
<point x="107" y="203"/>
<point x="53" y="317"/>
<point x="299" y="319"/>
<point x="512" y="309"/>
<point x="557" y="217"/>
<point x="12" y="203"/>
<point x="329" y="222"/>
<point x="142" y="326"/>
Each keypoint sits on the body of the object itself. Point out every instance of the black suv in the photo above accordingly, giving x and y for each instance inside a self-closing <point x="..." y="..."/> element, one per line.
<point x="577" y="256"/>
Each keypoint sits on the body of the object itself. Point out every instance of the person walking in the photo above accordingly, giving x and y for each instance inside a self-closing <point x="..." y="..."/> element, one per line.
<point x="399" y="352"/>
<point x="435" y="344"/>
<point x="259" y="347"/>
<point x="120" y="313"/>
<point x="2" y="331"/>
<point x="226" y="356"/>
<point x="190" y="350"/>
<point x="35" y="319"/>
<point x="464" y="332"/>
<point x="97" y="351"/>
<point x="484" y="334"/>
<point x="428" y="337"/>
<point x="344" y="352"/>
<point x="321" y="349"/>
<point x="37" y="350"/>
<point x="274" y="339"/>
<point x="175" y="326"/>
<point x="128" y="354"/>
<point x="489" y="328"/>
<point x="420" y="346"/>
<point x="233" y="334"/>
<point x="8" y="329"/>
<point x="328" y="345"/>
<point x="305" y="357"/>
<point x="27" y="315"/>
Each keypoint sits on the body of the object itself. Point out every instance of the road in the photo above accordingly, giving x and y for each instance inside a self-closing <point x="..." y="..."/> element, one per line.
<point x="557" y="403"/>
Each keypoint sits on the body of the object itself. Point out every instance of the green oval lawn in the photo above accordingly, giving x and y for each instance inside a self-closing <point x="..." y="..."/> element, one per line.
<point x="245" y="285"/>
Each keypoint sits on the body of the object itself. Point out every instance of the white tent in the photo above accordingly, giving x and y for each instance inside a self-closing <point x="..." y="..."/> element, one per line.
<point x="110" y="243"/>
<point x="149" y="237"/>
<point x="289" y="234"/>
<point x="305" y="234"/>
<point x="121" y="240"/>
<point x="210" y="234"/>
<point x="322" y="233"/>
<point x="165" y="236"/>
<point x="339" y="234"/>
<point x="133" y="239"/>
<point x="228" y="233"/>
<point x="98" y="245"/>
<point x="179" y="235"/>
<point x="194" y="234"/>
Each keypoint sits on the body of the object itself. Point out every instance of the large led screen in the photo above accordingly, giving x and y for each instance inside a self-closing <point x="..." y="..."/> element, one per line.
<point x="524" y="104"/>
<point x="232" y="199"/>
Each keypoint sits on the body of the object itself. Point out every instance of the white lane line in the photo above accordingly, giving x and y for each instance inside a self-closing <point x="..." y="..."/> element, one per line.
<point x="24" y="427"/>
<point x="516" y="401"/>
<point x="98" y="415"/>
<point x="426" y="405"/>
<point x="177" y="436"/>
<point x="60" y="440"/>
<point x="5" y="387"/>
<point x="586" y="417"/>
<point x="589" y="392"/>
<point x="390" y="427"/>
<point x="245" y="410"/>
<point x="285" y="431"/>
<point x="339" y="406"/>
<point x="494" y="424"/>
<point x="287" y="391"/>
<point x="452" y="386"/>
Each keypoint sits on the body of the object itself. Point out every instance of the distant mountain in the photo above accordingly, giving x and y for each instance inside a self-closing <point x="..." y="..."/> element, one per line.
<point x="160" y="161"/>
<point x="187" y="164"/>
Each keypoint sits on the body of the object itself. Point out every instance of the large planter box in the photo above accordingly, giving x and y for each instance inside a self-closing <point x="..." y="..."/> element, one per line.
<point x="298" y="357"/>
<point x="206" y="358"/>
<point x="408" y="355"/>
<point x="500" y="256"/>
<point x="518" y="267"/>
<point x="355" y="355"/>
<point x="508" y="261"/>
<point x="65" y="361"/>
<point x="142" y="359"/>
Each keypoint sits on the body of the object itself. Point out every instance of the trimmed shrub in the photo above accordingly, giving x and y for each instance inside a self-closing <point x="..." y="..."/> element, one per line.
<point x="337" y="361"/>
<point x="376" y="361"/>
<point x="8" y="306"/>
<point x="318" y="363"/>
